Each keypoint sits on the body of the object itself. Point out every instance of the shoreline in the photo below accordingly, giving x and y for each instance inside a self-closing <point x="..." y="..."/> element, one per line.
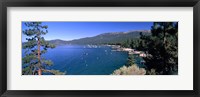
<point x="129" y="50"/>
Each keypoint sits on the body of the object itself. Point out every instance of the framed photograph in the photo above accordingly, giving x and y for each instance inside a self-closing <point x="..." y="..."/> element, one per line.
<point x="124" y="48"/>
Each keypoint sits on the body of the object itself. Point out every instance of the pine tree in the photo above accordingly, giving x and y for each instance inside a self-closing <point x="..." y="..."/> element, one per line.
<point x="161" y="47"/>
<point x="130" y="60"/>
<point x="35" y="46"/>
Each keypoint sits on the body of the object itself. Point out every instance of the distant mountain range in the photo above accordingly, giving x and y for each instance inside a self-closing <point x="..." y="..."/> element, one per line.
<point x="113" y="37"/>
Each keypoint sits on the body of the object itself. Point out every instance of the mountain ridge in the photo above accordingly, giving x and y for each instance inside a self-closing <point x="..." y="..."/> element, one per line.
<point x="104" y="38"/>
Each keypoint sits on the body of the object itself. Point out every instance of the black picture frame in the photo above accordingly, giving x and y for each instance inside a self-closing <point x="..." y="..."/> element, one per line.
<point x="99" y="3"/>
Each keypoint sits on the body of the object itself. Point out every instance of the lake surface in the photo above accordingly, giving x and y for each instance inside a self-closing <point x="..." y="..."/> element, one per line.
<point x="86" y="60"/>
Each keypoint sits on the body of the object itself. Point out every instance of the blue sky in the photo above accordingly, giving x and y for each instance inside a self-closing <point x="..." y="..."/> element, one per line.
<point x="76" y="30"/>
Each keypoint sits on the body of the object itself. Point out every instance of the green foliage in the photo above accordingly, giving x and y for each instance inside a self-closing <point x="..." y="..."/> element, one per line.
<point x="48" y="62"/>
<point x="30" y="58"/>
<point x="127" y="43"/>
<point x="27" y="70"/>
<point x="151" y="72"/>
<point x="131" y="43"/>
<point x="161" y="48"/>
<point x="35" y="47"/>
<point x="130" y="60"/>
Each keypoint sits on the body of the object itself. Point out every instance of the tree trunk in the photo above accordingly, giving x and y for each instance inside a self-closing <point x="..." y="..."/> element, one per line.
<point x="39" y="60"/>
<point x="39" y="72"/>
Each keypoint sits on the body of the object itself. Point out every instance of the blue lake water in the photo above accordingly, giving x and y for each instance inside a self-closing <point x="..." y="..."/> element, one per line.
<point x="82" y="60"/>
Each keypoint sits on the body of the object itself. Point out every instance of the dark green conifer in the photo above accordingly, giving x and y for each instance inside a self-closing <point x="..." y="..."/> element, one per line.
<point x="35" y="46"/>
<point x="161" y="47"/>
